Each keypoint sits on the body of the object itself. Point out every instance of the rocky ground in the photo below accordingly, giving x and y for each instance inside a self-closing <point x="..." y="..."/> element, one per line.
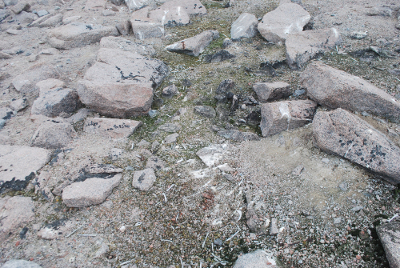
<point x="125" y="142"/>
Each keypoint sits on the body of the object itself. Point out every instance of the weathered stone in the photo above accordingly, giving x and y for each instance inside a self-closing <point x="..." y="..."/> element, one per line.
<point x="171" y="138"/>
<point x="19" y="165"/>
<point x="95" y="4"/>
<point x="285" y="115"/>
<point x="350" y="137"/>
<point x="205" y="111"/>
<point x="90" y="192"/>
<point x="20" y="264"/>
<point x="4" y="13"/>
<point x="111" y="128"/>
<point x="271" y="91"/>
<point x="56" y="102"/>
<point x="358" y="35"/>
<point x="6" y="113"/>
<point x="49" y="51"/>
<point x="49" y="85"/>
<point x="14" y="213"/>
<point x="51" y="21"/>
<point x="144" y="179"/>
<point x="212" y="154"/>
<point x="195" y="45"/>
<point x="155" y="163"/>
<point x="255" y="259"/>
<point x="53" y="135"/>
<point x="244" y="27"/>
<point x="4" y="55"/>
<point x="25" y="82"/>
<point x="127" y="45"/>
<point x="103" y="169"/>
<point x="169" y="16"/>
<point x="136" y="4"/>
<point x="237" y="135"/>
<point x="42" y="13"/>
<point x="19" y="104"/>
<point x="124" y="28"/>
<point x="221" y="55"/>
<point x="10" y="2"/>
<point x="337" y="89"/>
<point x="380" y="11"/>
<point x="26" y="17"/>
<point x="107" y="13"/>
<point x="145" y="29"/>
<point x="303" y="46"/>
<point x="389" y="234"/>
<point x="191" y="7"/>
<point x="78" y="34"/>
<point x="117" y="2"/>
<point x="48" y="233"/>
<point x="68" y="20"/>
<point x="286" y="19"/>
<point x="169" y="127"/>
<point x="170" y="91"/>
<point x="21" y="6"/>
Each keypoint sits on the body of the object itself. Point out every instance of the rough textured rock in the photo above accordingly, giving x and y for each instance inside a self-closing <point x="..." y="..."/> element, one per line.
<point x="144" y="179"/>
<point x="285" y="115"/>
<point x="286" y="19"/>
<point x="337" y="89"/>
<point x="49" y="85"/>
<point x="78" y="34"/>
<point x="20" y="264"/>
<point x="111" y="128"/>
<point x="212" y="154"/>
<point x="271" y="91"/>
<point x="19" y="165"/>
<point x="26" y="82"/>
<point x="244" y="27"/>
<point x="56" y="102"/>
<point x="195" y="45"/>
<point x="53" y="135"/>
<point x="50" y="20"/>
<point x="255" y="259"/>
<point x="303" y="46"/>
<point x="237" y="135"/>
<point x="171" y="138"/>
<point x="389" y="234"/>
<point x="145" y="28"/>
<point x="205" y="111"/>
<point x="19" y="104"/>
<point x="170" y="91"/>
<point x="191" y="7"/>
<point x="21" y="6"/>
<point x="350" y="137"/>
<point x="221" y="55"/>
<point x="127" y="45"/>
<point x="135" y="4"/>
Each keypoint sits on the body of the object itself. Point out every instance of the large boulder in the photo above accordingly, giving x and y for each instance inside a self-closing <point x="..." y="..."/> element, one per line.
<point x="56" y="102"/>
<point x="286" y="19"/>
<point x="334" y="88"/>
<point x="344" y="134"/>
<point x="389" y="234"/>
<point x="244" y="27"/>
<point x="193" y="46"/>
<point x="53" y="134"/>
<point x="271" y="91"/>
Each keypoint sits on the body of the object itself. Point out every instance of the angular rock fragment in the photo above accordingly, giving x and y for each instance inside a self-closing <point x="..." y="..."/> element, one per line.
<point x="171" y="138"/>
<point x="255" y="259"/>
<point x="193" y="46"/>
<point x="285" y="115"/>
<point x="21" y="6"/>
<point x="56" y="102"/>
<point x="169" y="127"/>
<point x="53" y="135"/>
<point x="389" y="234"/>
<point x="244" y="27"/>
<point x="110" y="127"/>
<point x="26" y="82"/>
<point x="143" y="27"/>
<point x="170" y="91"/>
<point x="337" y="89"/>
<point x="127" y="45"/>
<point x="144" y="179"/>
<point x="20" y="263"/>
<point x="4" y="13"/>
<point x="49" y="85"/>
<point x="103" y="169"/>
<point x="286" y="19"/>
<point x="205" y="111"/>
<point x="212" y="154"/>
<point x="271" y="91"/>
<point x="344" y="134"/>
<point x="133" y="4"/>
<point x="221" y="55"/>
<point x="19" y="104"/>
<point x="90" y="192"/>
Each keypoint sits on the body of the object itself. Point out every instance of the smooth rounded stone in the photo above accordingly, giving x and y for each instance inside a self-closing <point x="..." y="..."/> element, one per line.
<point x="144" y="179"/>
<point x="271" y="91"/>
<point x="334" y="88"/>
<point x="170" y="91"/>
<point x="344" y="134"/>
<point x="108" y="12"/>
<point x="92" y="191"/>
<point x="26" y="82"/>
<point x="53" y="135"/>
<point x="255" y="259"/>
<point x="13" y="31"/>
<point x="237" y="135"/>
<point x="193" y="46"/>
<point x="205" y="111"/>
<point x="20" y="264"/>
<point x="56" y="102"/>
<point x="169" y="127"/>
<point x="171" y="138"/>
<point x="244" y="27"/>
<point x="286" y="19"/>
<point x="19" y="165"/>
<point x="110" y="127"/>
<point x="389" y="235"/>
<point x="117" y="42"/>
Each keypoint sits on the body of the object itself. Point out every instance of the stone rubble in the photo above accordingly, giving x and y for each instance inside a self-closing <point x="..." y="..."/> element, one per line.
<point x="195" y="45"/>
<point x="244" y="27"/>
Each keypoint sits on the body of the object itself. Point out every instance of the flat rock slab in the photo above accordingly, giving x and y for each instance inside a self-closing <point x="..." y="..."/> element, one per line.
<point x="334" y="88"/>
<point x="127" y="45"/>
<point x="14" y="213"/>
<point x="18" y="165"/>
<point x="212" y="154"/>
<point x="285" y="115"/>
<point x="53" y="135"/>
<point x="26" y="82"/>
<point x="389" y="234"/>
<point x="255" y="259"/>
<point x="144" y="179"/>
<point x="344" y="134"/>
<point x="169" y="127"/>
<point x="205" y="111"/>
<point x="56" y="102"/>
<point x="78" y="35"/>
<point x="244" y="27"/>
<point x="286" y="19"/>
<point x="195" y="45"/>
<point x="20" y="264"/>
<point x="90" y="192"/>
<point x="111" y="128"/>
<point x="271" y="91"/>
<point x="303" y="46"/>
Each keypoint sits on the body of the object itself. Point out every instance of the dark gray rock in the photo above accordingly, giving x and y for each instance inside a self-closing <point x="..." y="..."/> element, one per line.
<point x="271" y="91"/>
<point x="221" y="55"/>
<point x="144" y="179"/>
<point x="195" y="45"/>
<point x="205" y="111"/>
<point x="244" y="27"/>
<point x="56" y="102"/>
<point x="389" y="234"/>
<point x="53" y="135"/>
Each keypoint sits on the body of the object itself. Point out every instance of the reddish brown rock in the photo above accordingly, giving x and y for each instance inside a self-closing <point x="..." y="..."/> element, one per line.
<point x="271" y="91"/>
<point x="389" y="234"/>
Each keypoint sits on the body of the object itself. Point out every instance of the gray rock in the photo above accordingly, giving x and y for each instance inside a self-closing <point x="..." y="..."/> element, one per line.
<point x="155" y="163"/>
<point x="212" y="154"/>
<point x="358" y="35"/>
<point x="337" y="89"/>
<point x="115" y="154"/>
<point x="19" y="165"/>
<point x="26" y="17"/>
<point x="303" y="46"/>
<point x="195" y="45"/>
<point x="144" y="179"/>
<point x="56" y="102"/>
<point x="108" y="12"/>
<point x="380" y="11"/>
<point x="136" y="4"/>
<point x="237" y="135"/>
<point x="273" y="230"/>
<point x="271" y="91"/>
<point x="286" y="19"/>
<point x="50" y="84"/>
<point x="389" y="234"/>
<point x="103" y="169"/>
<point x="4" y="13"/>
<point x="6" y="113"/>
<point x="171" y="138"/>
<point x="191" y="7"/>
<point x="20" y="264"/>
<point x="127" y="45"/>
<point x="205" y="111"/>
<point x="53" y="135"/>
<point x="110" y="127"/>
<point x="117" y="2"/>
<point x="169" y="127"/>
<point x="26" y="82"/>
<point x="5" y="56"/>
<point x="19" y="104"/>
<point x="90" y="192"/>
<point x="285" y="115"/>
<point x="48" y="21"/>
<point x="42" y="13"/>
<point x="344" y="134"/>
<point x="143" y="29"/>
<point x="170" y="91"/>
<point x="255" y="259"/>
<point x="21" y="6"/>
<point x="68" y="20"/>
<point x="244" y="27"/>
<point x="221" y="55"/>
<point x="10" y="2"/>
<point x="124" y="28"/>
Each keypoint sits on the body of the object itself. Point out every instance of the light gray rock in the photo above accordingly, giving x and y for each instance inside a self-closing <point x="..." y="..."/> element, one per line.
<point x="68" y="20"/>
<point x="53" y="135"/>
<point x="170" y="91"/>
<point x="255" y="259"/>
<point x="19" y="104"/>
<point x="143" y="27"/>
<point x="171" y="138"/>
<point x="244" y="27"/>
<point x="303" y="46"/>
<point x="124" y="27"/>
<point x="5" y="56"/>
<point x="56" y="102"/>
<point x="20" y="264"/>
<point x="6" y="113"/>
<point x="205" y="111"/>
<point x="144" y="179"/>
<point x="334" y="88"/>
<point x="358" y="35"/>
<point x="90" y="192"/>
<point x="4" y="13"/>
<point x="193" y="46"/>
<point x="237" y="135"/>
<point x="26" y="17"/>
<point x="389" y="234"/>
<point x="50" y="84"/>
<point x="383" y="11"/>
<point x="19" y="165"/>
<point x="273" y="228"/>
<point x="48" y="21"/>
<point x="271" y="91"/>
<point x="191" y="7"/>
<point x="21" y="6"/>
<point x="155" y="163"/>
<point x="212" y="154"/>
<point x="137" y="4"/>
<point x="42" y="13"/>
<point x="127" y="45"/>
<point x="110" y="127"/>
<point x="169" y="127"/>
<point x="103" y="169"/>
<point x="26" y="82"/>
<point x="108" y="13"/>
<point x="286" y="19"/>
<point x="344" y="134"/>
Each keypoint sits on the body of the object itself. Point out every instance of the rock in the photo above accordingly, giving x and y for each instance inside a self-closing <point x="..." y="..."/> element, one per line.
<point x="223" y="89"/>
<point x="136" y="4"/>
<point x="169" y="127"/>
<point x="19" y="104"/>
<point x="115" y="154"/>
<point x="19" y="165"/>
<point x="127" y="45"/>
<point x="107" y="13"/>
<point x="237" y="135"/>
<point x="155" y="163"/>
<point x="26" y="82"/>
<point x="191" y="7"/>
<point x="286" y="19"/>
<point x="56" y="102"/>
<point x="49" y="85"/>
<point x="92" y="191"/>
<point x="273" y="230"/>
<point x="221" y="55"/>
<point x="344" y="134"/>
<point x="144" y="29"/>
<point x="50" y="21"/>
<point x="42" y="13"/>
<point x="21" y="6"/>
<point x="285" y="115"/>
<point x="48" y="233"/>
<point x="298" y="170"/>
<point x="68" y="20"/>
<point x="50" y="51"/>
<point x="6" y="113"/>
<point x="255" y="259"/>
<point x="212" y="154"/>
<point x="20" y="264"/>
<point x="103" y="169"/>
<point x="117" y="2"/>
<point x="14" y="213"/>
<point x="335" y="88"/>
<point x="144" y="179"/>
<point x="102" y="251"/>
<point x="271" y="91"/>
<point x="4" y="13"/>
<point x="13" y="31"/>
<point x="78" y="35"/>
<point x="171" y="138"/>
<point x="170" y="91"/>
<point x="5" y="56"/>
<point x="389" y="235"/>
<point x="303" y="46"/>
<point x="26" y="17"/>
<point x="124" y="28"/>
<point x="169" y="16"/>
<point x="111" y="128"/>
<point x="95" y="4"/>
<point x="53" y="135"/>
<point x="195" y="45"/>
<point x="205" y="111"/>
<point x="10" y="2"/>
<point x="358" y="35"/>
<point x="244" y="27"/>
<point x="380" y="11"/>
